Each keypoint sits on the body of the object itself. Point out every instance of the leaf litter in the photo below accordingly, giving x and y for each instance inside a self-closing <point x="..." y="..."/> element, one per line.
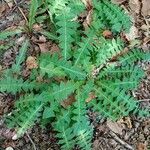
<point x="102" y="139"/>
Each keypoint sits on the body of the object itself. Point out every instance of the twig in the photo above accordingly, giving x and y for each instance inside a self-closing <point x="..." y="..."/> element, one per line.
<point x="34" y="147"/>
<point x="143" y="100"/>
<point x="21" y="11"/>
<point x="121" y="141"/>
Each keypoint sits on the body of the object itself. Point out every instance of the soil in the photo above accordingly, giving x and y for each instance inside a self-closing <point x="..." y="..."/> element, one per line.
<point x="130" y="132"/>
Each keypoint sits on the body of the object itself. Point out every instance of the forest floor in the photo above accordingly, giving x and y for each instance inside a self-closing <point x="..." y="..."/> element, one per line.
<point x="129" y="133"/>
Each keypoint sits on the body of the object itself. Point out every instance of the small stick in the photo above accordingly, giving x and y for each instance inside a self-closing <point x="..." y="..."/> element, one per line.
<point x="143" y="100"/>
<point x="121" y="141"/>
<point x="34" y="147"/>
<point x="21" y="11"/>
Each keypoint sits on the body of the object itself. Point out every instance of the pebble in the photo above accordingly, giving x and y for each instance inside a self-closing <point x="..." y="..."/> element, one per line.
<point x="9" y="148"/>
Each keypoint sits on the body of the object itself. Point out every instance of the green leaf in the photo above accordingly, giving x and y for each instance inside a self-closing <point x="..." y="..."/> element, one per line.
<point x="24" y="119"/>
<point x="32" y="13"/>
<point x="107" y="49"/>
<point x="49" y="35"/>
<point x="113" y="102"/>
<point x="48" y="112"/>
<point x="64" y="131"/>
<point x="66" y="29"/>
<point x="72" y="71"/>
<point x="84" y="47"/>
<point x="61" y="91"/>
<point x="12" y="85"/>
<point x="20" y="57"/>
<point x="4" y="34"/>
<point x="53" y="66"/>
<point x="51" y="70"/>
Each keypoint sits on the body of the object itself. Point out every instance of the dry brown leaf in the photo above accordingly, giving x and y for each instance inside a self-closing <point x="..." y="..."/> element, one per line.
<point x="126" y="121"/>
<point x="68" y="101"/>
<point x="141" y="146"/>
<point x="115" y="127"/>
<point x="145" y="43"/>
<point x="42" y="39"/>
<point x="55" y="48"/>
<point x="2" y="8"/>
<point x="39" y="78"/>
<point x="88" y="19"/>
<point x="133" y="33"/>
<point x="135" y="5"/>
<point x="20" y="40"/>
<point x="25" y="72"/>
<point x="31" y="62"/>
<point x="107" y="33"/>
<point x="7" y="133"/>
<point x="36" y="27"/>
<point x="146" y="7"/>
<point x="90" y="97"/>
<point x="88" y="5"/>
<point x="43" y="47"/>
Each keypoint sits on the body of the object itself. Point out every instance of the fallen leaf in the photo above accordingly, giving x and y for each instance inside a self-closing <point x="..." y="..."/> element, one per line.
<point x="90" y="97"/>
<point x="141" y="146"/>
<point x="126" y="121"/>
<point x="135" y="6"/>
<point x="2" y="8"/>
<point x="20" y="40"/>
<point x="68" y="101"/>
<point x="36" y="27"/>
<point x="88" y="19"/>
<point x="55" y="48"/>
<point x="42" y="39"/>
<point x="25" y="72"/>
<point x="45" y="47"/>
<point x="145" y="44"/>
<point x="114" y="126"/>
<point x="133" y="34"/>
<point x="39" y="78"/>
<point x="107" y="33"/>
<point x="146" y="7"/>
<point x="42" y="43"/>
<point x="31" y="62"/>
<point x="7" y="133"/>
